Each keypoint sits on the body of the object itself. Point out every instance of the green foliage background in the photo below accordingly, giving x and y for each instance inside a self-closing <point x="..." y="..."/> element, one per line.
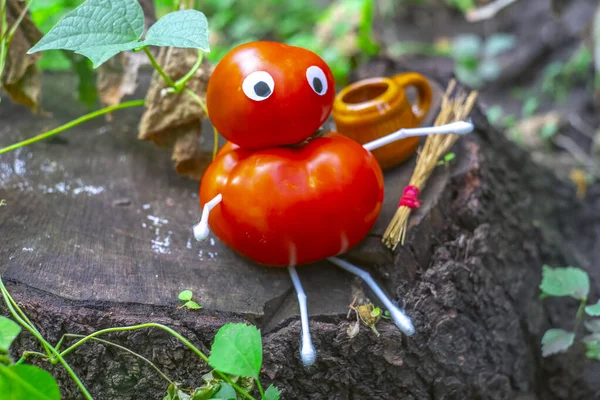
<point x="233" y="22"/>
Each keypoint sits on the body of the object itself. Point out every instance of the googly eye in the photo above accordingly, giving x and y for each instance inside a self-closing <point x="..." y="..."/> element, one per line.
<point x="258" y="86"/>
<point x="317" y="79"/>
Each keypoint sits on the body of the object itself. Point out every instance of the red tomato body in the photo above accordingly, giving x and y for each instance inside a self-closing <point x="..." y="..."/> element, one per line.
<point x="267" y="94"/>
<point x="294" y="205"/>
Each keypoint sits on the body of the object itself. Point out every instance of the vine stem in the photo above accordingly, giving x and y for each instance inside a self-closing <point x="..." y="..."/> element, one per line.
<point x="126" y="350"/>
<point x="13" y="28"/>
<point x="168" y="330"/>
<point x="9" y="300"/>
<point x="30" y="353"/>
<point x="30" y="324"/>
<point x="579" y="315"/>
<point x="3" y="37"/>
<point x="6" y="34"/>
<point x="180" y="84"/>
<point x="191" y="93"/>
<point x="158" y="68"/>
<point x="68" y="125"/>
<point x="260" y="389"/>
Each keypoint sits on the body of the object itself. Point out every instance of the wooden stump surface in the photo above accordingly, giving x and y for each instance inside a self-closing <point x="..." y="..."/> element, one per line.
<point x="96" y="215"/>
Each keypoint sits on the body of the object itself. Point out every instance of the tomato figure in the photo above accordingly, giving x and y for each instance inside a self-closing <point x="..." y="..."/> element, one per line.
<point x="267" y="94"/>
<point x="288" y="196"/>
<point x="280" y="192"/>
<point x="294" y="205"/>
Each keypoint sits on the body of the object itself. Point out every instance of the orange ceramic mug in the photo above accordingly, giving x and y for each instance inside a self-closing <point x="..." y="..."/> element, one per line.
<point x="371" y="108"/>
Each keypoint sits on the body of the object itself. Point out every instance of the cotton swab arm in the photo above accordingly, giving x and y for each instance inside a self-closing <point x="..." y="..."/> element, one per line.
<point x="201" y="229"/>
<point x="401" y="320"/>
<point x="308" y="354"/>
<point x="457" y="128"/>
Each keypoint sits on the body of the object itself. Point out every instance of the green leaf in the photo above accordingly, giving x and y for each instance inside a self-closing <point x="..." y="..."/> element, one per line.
<point x="593" y="310"/>
<point x="174" y="393"/>
<point x="185" y="28"/>
<point x="272" y="393"/>
<point x="489" y="70"/>
<point x="237" y="350"/>
<point x="20" y="382"/>
<point x="466" y="46"/>
<point x="569" y="281"/>
<point x="548" y="130"/>
<point x="529" y="107"/>
<point x="468" y="77"/>
<point x="192" y="305"/>
<point x="186" y="295"/>
<point x="9" y="330"/>
<point x="556" y="341"/>
<point x="592" y="351"/>
<point x="88" y="91"/>
<point x="171" y="394"/>
<point x="226" y="392"/>
<point x="207" y="391"/>
<point x="494" y="113"/>
<point x="376" y="312"/>
<point x="181" y="395"/>
<point x="592" y="325"/>
<point x="98" y="29"/>
<point x="498" y="44"/>
<point x="509" y="121"/>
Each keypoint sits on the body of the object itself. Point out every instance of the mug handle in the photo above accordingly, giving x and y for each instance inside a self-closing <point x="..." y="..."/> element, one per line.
<point x="424" y="92"/>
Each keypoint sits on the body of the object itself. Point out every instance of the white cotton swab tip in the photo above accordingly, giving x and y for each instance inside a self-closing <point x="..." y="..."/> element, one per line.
<point x="201" y="229"/>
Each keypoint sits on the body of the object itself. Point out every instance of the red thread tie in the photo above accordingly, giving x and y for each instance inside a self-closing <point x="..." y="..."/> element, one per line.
<point x="410" y="197"/>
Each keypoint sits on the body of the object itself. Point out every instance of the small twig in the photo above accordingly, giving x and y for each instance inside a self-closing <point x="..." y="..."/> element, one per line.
<point x="488" y="11"/>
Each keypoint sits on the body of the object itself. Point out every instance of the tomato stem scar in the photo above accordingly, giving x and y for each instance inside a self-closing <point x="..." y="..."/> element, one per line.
<point x="308" y="354"/>
<point x="401" y="320"/>
<point x="457" y="128"/>
<point x="201" y="229"/>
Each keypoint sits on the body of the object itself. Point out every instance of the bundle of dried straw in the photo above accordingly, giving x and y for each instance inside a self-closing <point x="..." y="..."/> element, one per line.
<point x="436" y="146"/>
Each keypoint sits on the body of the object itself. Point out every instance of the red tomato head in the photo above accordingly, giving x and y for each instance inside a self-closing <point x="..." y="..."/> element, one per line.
<point x="267" y="94"/>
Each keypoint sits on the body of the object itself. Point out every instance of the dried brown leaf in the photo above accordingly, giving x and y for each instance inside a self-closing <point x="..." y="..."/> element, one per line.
<point x="189" y="158"/>
<point x="174" y="120"/>
<point x="21" y="77"/>
<point x="118" y="76"/>
<point x="353" y="329"/>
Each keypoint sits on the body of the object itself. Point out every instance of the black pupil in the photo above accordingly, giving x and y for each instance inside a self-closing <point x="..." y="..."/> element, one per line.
<point x="318" y="85"/>
<point x="262" y="89"/>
